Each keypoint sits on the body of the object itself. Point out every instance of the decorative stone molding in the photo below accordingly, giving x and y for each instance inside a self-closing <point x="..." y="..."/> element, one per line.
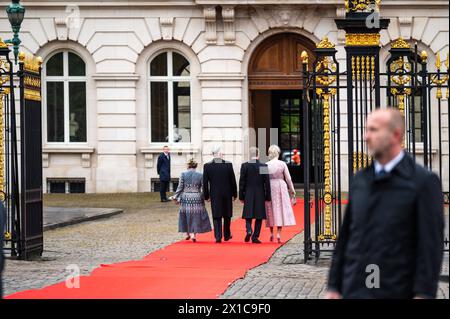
<point x="148" y="160"/>
<point x="189" y="156"/>
<point x="228" y="25"/>
<point x="340" y="14"/>
<point x="405" y="20"/>
<point x="405" y="24"/>
<point x="67" y="149"/>
<point x="85" y="152"/>
<point x="221" y="77"/>
<point x="115" y="77"/>
<point x="341" y="37"/>
<point x="281" y="16"/>
<point x="45" y="160"/>
<point x="86" y="160"/>
<point x="61" y="27"/>
<point x="285" y="16"/>
<point x="209" y="14"/>
<point x="61" y="21"/>
<point x="166" y="24"/>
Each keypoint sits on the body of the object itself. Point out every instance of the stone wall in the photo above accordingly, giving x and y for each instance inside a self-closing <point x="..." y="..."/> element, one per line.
<point x="117" y="41"/>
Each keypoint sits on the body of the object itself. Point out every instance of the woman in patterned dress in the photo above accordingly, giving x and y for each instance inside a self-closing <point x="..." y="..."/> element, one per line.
<point x="279" y="210"/>
<point x="193" y="217"/>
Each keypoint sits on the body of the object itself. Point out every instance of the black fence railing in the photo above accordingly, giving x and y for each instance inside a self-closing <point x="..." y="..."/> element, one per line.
<point x="334" y="96"/>
<point x="21" y="154"/>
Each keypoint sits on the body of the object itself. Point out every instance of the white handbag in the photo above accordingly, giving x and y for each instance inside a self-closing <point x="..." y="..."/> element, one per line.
<point x="293" y="200"/>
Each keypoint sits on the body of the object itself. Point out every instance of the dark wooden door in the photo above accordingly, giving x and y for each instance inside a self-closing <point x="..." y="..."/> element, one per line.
<point x="276" y="63"/>
<point x="287" y="116"/>
<point x="275" y="71"/>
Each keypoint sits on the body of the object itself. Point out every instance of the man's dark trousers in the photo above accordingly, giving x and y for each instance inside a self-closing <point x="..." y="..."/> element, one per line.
<point x="218" y="228"/>
<point x="164" y="187"/>
<point x="248" y="226"/>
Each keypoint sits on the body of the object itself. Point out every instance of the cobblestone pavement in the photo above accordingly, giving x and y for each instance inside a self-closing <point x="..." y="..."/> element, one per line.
<point x="128" y="236"/>
<point x="138" y="232"/>
<point x="285" y="276"/>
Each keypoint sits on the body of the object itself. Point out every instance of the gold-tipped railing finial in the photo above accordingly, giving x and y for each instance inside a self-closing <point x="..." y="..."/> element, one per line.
<point x="438" y="61"/>
<point x="304" y="57"/>
<point x="424" y="56"/>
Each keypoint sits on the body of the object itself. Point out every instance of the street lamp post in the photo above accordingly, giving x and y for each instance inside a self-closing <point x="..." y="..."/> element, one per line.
<point x="16" y="13"/>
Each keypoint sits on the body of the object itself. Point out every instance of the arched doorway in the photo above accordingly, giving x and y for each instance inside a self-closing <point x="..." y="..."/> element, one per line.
<point x="275" y="95"/>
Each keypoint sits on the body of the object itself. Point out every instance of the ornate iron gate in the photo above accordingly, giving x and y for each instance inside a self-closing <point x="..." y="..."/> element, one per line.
<point x="21" y="156"/>
<point x="335" y="96"/>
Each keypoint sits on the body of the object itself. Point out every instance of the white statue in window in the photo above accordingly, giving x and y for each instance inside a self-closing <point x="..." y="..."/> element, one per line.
<point x="176" y="136"/>
<point x="73" y="125"/>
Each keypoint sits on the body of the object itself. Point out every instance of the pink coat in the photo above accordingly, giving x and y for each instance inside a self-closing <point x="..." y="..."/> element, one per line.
<point x="279" y="211"/>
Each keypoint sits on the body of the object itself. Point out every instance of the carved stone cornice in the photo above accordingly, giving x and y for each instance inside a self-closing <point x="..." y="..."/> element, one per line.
<point x="209" y="14"/>
<point x="228" y="24"/>
<point x="166" y="24"/>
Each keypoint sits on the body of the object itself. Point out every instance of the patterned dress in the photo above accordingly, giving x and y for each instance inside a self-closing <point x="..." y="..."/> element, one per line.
<point x="193" y="217"/>
<point x="279" y="210"/>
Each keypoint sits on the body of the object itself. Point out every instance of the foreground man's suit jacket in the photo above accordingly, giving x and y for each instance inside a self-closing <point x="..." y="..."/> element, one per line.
<point x="395" y="222"/>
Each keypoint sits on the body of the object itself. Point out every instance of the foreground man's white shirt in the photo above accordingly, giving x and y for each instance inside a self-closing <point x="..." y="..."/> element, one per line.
<point x="390" y="165"/>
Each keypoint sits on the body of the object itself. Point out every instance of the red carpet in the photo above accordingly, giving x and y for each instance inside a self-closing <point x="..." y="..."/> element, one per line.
<point x="201" y="270"/>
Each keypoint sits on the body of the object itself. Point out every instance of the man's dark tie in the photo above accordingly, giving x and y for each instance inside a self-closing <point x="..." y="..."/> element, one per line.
<point x="382" y="174"/>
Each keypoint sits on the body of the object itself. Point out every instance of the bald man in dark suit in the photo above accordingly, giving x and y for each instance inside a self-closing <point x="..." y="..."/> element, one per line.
<point x="391" y="242"/>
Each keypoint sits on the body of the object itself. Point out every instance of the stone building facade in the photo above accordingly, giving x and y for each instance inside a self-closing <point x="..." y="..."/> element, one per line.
<point x="121" y="79"/>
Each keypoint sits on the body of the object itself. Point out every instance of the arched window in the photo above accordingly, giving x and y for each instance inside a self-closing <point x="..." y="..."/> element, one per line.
<point x="170" y="98"/>
<point x="65" y="84"/>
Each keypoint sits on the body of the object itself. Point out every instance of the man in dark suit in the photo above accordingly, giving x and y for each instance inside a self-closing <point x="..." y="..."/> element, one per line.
<point x="391" y="241"/>
<point x="2" y="231"/>
<point x="254" y="191"/>
<point x="163" y="169"/>
<point x="219" y="187"/>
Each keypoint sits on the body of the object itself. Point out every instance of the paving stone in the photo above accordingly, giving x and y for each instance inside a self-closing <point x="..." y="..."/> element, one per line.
<point x="136" y="233"/>
<point x="293" y="278"/>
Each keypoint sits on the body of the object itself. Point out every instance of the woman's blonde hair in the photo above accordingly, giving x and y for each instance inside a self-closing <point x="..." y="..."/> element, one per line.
<point x="274" y="152"/>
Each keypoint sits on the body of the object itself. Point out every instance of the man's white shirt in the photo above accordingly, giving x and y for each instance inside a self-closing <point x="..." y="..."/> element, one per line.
<point x="390" y="165"/>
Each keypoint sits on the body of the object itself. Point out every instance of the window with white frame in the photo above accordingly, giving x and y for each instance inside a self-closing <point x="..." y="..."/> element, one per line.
<point x="65" y="85"/>
<point x="170" y="98"/>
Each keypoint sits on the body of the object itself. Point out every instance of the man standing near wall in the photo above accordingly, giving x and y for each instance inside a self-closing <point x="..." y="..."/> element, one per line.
<point x="163" y="169"/>
<point x="391" y="242"/>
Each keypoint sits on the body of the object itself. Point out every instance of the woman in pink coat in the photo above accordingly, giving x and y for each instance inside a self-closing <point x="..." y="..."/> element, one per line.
<point x="279" y="210"/>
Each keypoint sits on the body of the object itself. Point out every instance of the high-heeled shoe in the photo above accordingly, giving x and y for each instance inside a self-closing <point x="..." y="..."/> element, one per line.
<point x="271" y="238"/>
<point x="279" y="239"/>
<point x="188" y="237"/>
<point x="194" y="240"/>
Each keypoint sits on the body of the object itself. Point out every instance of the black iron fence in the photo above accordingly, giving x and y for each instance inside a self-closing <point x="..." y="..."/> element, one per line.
<point x="21" y="154"/>
<point x="334" y="96"/>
